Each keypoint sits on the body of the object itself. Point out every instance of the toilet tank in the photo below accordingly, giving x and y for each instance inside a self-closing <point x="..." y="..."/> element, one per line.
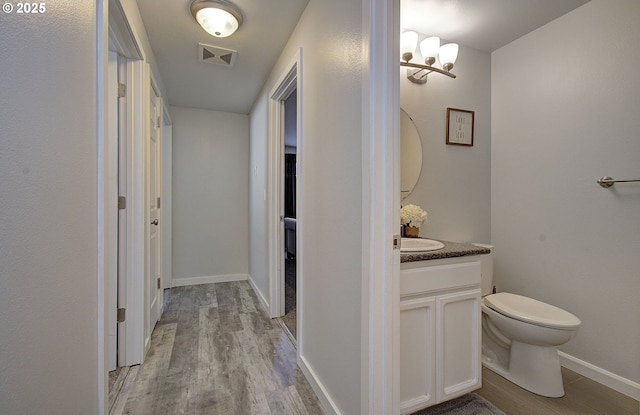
<point x="486" y="270"/>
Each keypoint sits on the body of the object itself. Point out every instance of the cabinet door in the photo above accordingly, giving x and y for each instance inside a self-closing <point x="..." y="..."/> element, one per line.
<point x="458" y="348"/>
<point x="418" y="353"/>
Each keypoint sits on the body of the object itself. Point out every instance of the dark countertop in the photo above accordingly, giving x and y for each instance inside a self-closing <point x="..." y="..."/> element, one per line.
<point x="450" y="250"/>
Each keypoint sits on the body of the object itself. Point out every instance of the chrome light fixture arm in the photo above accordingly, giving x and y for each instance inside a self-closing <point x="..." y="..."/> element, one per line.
<point x="427" y="68"/>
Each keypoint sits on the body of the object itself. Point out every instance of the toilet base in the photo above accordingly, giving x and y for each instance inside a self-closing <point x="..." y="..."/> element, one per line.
<point x="534" y="368"/>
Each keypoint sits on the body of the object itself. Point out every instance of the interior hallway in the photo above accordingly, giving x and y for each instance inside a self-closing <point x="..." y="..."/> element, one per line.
<point x="215" y="351"/>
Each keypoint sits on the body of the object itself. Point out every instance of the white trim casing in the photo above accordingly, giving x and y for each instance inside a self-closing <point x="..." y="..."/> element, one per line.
<point x="111" y="208"/>
<point x="167" y="148"/>
<point x="102" y="29"/>
<point x="121" y="33"/>
<point x="381" y="208"/>
<point x="299" y="202"/>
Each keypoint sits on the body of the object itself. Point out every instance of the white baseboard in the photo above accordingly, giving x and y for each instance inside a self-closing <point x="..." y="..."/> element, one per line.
<point x="327" y="403"/>
<point x="259" y="294"/>
<point x="611" y="380"/>
<point x="181" y="282"/>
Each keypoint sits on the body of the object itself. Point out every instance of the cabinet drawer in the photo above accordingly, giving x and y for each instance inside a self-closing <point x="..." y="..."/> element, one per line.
<point x="439" y="277"/>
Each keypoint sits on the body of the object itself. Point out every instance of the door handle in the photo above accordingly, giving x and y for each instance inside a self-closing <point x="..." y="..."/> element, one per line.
<point x="154" y="222"/>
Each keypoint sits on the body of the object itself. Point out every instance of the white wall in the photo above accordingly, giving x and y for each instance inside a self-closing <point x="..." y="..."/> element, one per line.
<point x="48" y="300"/>
<point x="329" y="33"/>
<point x="455" y="182"/>
<point x="565" y="112"/>
<point x="258" y="227"/>
<point x="210" y="204"/>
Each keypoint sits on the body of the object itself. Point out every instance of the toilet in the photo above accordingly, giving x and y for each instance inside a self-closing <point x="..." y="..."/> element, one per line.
<point x="520" y="336"/>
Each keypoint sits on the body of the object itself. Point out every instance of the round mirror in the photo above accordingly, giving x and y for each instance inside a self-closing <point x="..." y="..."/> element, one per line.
<point x="410" y="155"/>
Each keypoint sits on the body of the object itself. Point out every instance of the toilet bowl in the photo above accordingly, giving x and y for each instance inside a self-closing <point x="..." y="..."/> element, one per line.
<point x="531" y="332"/>
<point x="520" y="337"/>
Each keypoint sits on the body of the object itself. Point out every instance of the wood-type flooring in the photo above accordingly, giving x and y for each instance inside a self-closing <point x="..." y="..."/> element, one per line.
<point x="289" y="320"/>
<point x="583" y="396"/>
<point x="215" y="351"/>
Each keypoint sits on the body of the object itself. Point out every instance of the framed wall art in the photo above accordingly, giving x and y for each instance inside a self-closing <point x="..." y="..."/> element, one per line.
<point x="459" y="127"/>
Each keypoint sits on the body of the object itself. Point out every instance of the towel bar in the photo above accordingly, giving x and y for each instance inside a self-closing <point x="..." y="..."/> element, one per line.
<point x="607" y="181"/>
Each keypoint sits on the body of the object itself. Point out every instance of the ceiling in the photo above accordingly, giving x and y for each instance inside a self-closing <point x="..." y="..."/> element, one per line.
<point x="174" y="36"/>
<point x="484" y="25"/>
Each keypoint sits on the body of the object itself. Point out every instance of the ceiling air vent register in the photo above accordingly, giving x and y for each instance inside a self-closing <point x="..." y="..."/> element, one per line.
<point x="216" y="55"/>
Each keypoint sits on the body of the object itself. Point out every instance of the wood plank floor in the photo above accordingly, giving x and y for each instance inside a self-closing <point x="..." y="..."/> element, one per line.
<point x="215" y="351"/>
<point x="583" y="396"/>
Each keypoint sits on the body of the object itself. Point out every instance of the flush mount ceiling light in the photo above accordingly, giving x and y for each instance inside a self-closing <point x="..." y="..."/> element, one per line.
<point x="219" y="18"/>
<point x="430" y="49"/>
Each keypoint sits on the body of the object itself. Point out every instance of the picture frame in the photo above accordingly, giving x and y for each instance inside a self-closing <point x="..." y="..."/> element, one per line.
<point x="460" y="126"/>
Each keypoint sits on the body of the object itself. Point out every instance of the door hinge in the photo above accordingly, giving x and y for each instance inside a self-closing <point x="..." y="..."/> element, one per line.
<point x="158" y="122"/>
<point x="158" y="282"/>
<point x="122" y="90"/>
<point x="158" y="203"/>
<point x="122" y="202"/>
<point x="121" y="315"/>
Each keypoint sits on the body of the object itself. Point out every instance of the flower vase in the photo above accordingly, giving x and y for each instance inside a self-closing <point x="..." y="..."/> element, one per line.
<point x="411" y="231"/>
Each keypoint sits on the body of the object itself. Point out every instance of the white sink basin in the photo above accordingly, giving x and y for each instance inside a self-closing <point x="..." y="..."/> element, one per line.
<point x="419" y="245"/>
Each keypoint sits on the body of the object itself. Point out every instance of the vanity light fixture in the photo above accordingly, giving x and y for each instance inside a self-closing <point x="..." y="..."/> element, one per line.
<point x="219" y="18"/>
<point x="430" y="49"/>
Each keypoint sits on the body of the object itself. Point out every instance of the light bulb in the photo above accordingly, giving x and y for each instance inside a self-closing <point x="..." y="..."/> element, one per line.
<point x="429" y="48"/>
<point x="448" y="55"/>
<point x="408" y="42"/>
<point x="217" y="22"/>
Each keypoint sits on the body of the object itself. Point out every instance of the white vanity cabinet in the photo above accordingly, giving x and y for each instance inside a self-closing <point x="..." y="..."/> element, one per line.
<point x="440" y="331"/>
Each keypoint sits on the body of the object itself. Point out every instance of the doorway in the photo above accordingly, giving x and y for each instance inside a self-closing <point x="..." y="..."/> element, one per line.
<point x="133" y="178"/>
<point x="134" y="252"/>
<point x="289" y="218"/>
<point x="284" y="194"/>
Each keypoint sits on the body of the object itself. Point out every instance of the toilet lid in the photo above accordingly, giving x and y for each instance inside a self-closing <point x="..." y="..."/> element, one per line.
<point x="531" y="311"/>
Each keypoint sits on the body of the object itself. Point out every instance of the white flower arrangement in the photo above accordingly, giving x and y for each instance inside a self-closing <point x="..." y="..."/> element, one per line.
<point x="412" y="215"/>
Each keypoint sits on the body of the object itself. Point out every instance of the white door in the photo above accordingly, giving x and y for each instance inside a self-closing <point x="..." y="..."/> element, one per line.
<point x="153" y="285"/>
